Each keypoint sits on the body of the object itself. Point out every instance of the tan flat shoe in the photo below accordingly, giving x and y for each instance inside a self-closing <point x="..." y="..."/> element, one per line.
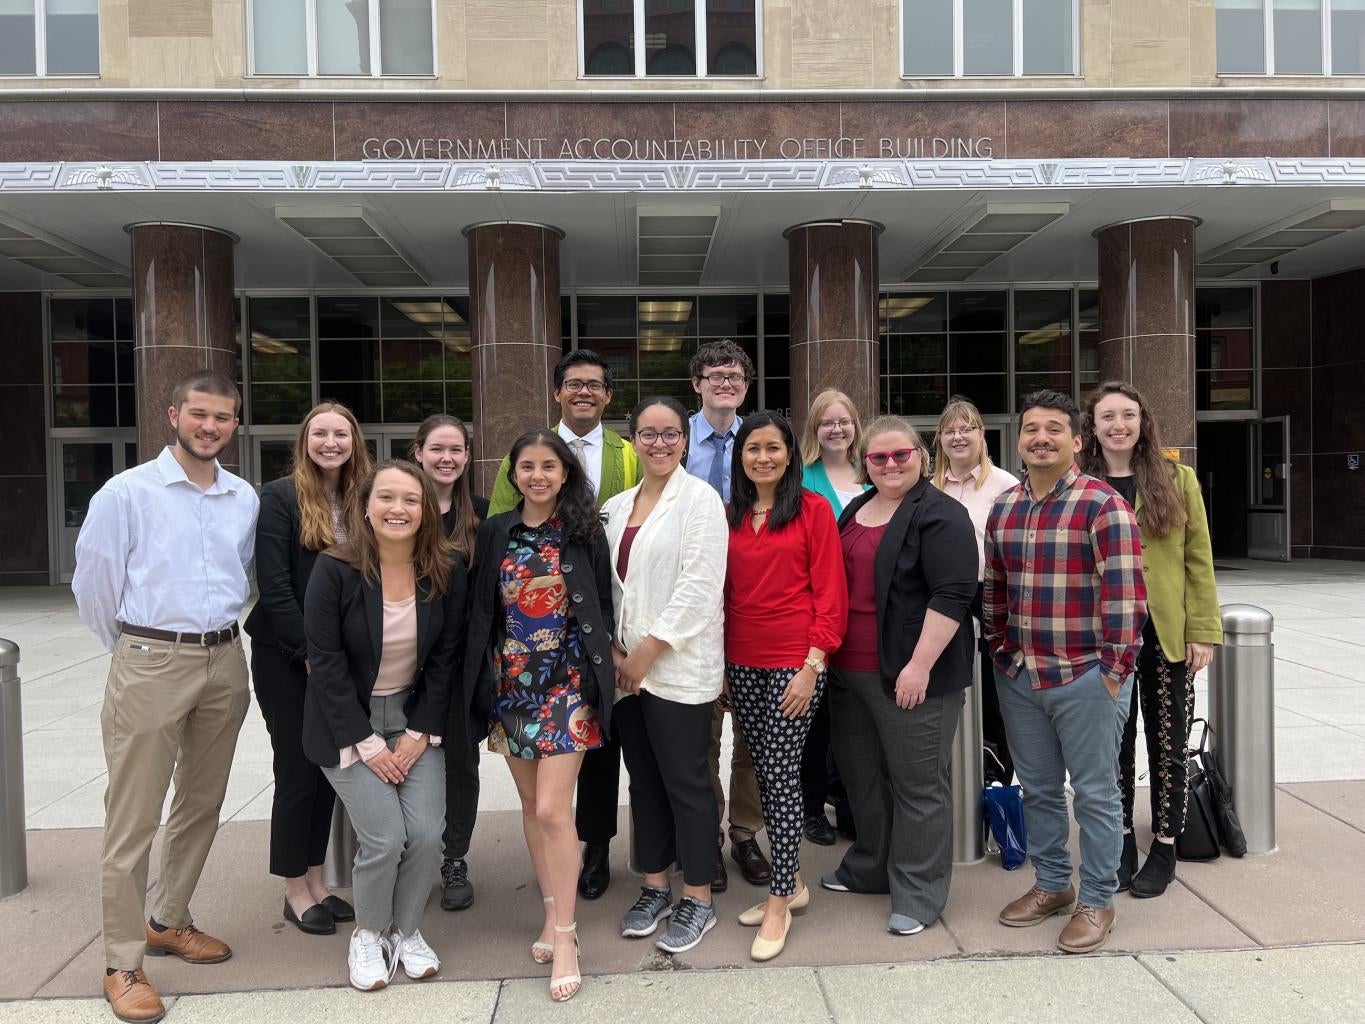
<point x="753" y="917"/>
<point x="765" y="949"/>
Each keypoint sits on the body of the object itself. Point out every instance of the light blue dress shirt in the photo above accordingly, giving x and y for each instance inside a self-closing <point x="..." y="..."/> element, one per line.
<point x="701" y="451"/>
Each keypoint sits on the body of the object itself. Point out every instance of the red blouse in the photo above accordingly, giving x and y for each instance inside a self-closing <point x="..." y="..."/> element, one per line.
<point x="859" y="543"/>
<point x="785" y="590"/>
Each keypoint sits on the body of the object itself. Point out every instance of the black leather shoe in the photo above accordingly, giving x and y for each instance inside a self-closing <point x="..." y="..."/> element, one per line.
<point x="1128" y="861"/>
<point x="316" y="920"/>
<point x="752" y="864"/>
<point x="720" y="881"/>
<point x="818" y="830"/>
<point x="595" y="875"/>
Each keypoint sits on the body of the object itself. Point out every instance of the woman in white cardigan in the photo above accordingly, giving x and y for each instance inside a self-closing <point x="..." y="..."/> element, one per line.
<point x="668" y="541"/>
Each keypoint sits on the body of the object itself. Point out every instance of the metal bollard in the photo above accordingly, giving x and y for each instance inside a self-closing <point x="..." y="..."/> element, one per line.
<point x="968" y="840"/>
<point x="13" y="842"/>
<point x="341" y="847"/>
<point x="1242" y="710"/>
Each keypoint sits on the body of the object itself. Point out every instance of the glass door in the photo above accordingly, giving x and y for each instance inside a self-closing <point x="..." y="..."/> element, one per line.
<point x="86" y="466"/>
<point x="1268" y="511"/>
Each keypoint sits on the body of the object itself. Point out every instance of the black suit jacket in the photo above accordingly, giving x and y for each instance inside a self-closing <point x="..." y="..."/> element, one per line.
<point x="587" y="574"/>
<point x="283" y="566"/>
<point x="926" y="559"/>
<point x="344" y="621"/>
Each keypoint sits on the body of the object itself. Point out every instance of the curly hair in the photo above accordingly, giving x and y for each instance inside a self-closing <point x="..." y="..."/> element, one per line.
<point x="1163" y="508"/>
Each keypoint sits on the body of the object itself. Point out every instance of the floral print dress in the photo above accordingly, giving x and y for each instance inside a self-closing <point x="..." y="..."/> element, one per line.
<point x="539" y="709"/>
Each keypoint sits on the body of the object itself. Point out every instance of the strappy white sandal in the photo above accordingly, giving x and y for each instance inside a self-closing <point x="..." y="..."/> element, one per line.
<point x="543" y="952"/>
<point x="569" y="979"/>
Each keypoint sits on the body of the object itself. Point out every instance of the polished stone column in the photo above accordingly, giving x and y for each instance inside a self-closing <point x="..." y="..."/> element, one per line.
<point x="1147" y="319"/>
<point x="834" y="323"/>
<point x="514" y="313"/>
<point x="182" y="312"/>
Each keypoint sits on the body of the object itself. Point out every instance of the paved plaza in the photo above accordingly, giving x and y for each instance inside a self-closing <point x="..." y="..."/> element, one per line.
<point x="1280" y="937"/>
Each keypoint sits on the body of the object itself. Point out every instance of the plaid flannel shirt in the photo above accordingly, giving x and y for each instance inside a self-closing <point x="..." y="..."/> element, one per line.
<point x="1063" y="586"/>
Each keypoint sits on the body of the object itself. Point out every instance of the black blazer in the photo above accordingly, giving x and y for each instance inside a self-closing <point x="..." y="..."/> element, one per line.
<point x="344" y="620"/>
<point x="283" y="566"/>
<point x="480" y="513"/>
<point x="926" y="559"/>
<point x="587" y="574"/>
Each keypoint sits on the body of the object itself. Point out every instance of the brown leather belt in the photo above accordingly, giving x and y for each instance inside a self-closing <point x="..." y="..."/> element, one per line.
<point x="218" y="636"/>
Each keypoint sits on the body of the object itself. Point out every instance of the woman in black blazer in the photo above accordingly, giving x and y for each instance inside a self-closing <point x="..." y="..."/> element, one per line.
<point x="300" y="516"/>
<point x="384" y="616"/>
<point x="898" y="679"/>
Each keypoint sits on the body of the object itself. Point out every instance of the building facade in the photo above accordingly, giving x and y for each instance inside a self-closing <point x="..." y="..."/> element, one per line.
<point x="415" y="206"/>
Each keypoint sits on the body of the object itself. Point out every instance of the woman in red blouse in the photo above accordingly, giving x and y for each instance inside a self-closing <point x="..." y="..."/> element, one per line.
<point x="786" y="604"/>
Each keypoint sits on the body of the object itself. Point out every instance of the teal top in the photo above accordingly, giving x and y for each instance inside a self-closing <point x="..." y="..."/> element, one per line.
<point x="814" y="478"/>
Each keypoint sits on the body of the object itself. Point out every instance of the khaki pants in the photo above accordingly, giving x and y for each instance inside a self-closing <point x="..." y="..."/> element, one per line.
<point x="168" y="708"/>
<point x="746" y="810"/>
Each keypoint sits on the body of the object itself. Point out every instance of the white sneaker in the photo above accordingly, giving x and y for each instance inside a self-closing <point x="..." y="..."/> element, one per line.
<point x="418" y="959"/>
<point x="371" y="960"/>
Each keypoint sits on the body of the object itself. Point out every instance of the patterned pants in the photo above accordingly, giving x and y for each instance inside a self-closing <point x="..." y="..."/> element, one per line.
<point x="1165" y="693"/>
<point x="775" y="743"/>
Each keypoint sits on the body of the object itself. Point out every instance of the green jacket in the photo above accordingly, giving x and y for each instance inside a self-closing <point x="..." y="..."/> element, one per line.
<point x="1182" y="597"/>
<point x="620" y="472"/>
<point x="815" y="478"/>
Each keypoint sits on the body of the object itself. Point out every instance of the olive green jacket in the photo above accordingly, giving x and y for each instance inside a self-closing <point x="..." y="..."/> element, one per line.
<point x="620" y="472"/>
<point x="1182" y="597"/>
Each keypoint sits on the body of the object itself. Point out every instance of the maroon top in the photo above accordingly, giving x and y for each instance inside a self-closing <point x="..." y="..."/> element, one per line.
<point x="623" y="556"/>
<point x="859" y="651"/>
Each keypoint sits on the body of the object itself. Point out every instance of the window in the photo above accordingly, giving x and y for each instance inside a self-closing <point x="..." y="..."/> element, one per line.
<point x="1225" y="349"/>
<point x="92" y="363"/>
<point x="957" y="38"/>
<point x="1291" y="37"/>
<point x="670" y="38"/>
<point x="49" y="37"/>
<point x="341" y="38"/>
<point x="935" y="344"/>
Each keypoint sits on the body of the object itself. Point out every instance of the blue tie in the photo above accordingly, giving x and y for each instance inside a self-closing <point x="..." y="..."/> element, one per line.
<point x="716" y="477"/>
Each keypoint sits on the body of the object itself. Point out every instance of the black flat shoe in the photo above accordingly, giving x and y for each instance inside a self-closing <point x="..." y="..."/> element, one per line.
<point x="338" y="908"/>
<point x="316" y="920"/>
<point x="595" y="875"/>
<point x="818" y="830"/>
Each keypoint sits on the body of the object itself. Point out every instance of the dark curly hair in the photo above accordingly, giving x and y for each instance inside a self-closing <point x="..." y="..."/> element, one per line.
<point x="576" y="505"/>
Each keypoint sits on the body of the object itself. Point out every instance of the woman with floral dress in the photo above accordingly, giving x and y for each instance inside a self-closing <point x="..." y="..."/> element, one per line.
<point x="539" y="678"/>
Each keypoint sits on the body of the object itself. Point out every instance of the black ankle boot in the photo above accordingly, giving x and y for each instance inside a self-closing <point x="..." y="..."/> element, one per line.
<point x="1127" y="861"/>
<point x="1157" y="872"/>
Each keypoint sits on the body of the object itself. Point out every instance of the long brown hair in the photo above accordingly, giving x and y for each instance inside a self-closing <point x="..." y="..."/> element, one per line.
<point x="431" y="550"/>
<point x="466" y="523"/>
<point x="965" y="410"/>
<point x="315" y="509"/>
<point x="1163" y="508"/>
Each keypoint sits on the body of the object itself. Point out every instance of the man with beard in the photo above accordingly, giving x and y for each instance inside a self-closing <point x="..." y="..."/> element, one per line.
<point x="161" y="577"/>
<point x="1064" y="603"/>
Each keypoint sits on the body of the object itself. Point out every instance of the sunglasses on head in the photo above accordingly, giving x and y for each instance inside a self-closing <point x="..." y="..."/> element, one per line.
<point x="880" y="459"/>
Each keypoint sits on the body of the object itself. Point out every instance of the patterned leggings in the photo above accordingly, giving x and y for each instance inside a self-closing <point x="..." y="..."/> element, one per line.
<point x="1166" y="695"/>
<point x="775" y="743"/>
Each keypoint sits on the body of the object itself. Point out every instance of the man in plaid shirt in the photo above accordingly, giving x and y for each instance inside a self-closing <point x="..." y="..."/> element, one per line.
<point x="1064" y="604"/>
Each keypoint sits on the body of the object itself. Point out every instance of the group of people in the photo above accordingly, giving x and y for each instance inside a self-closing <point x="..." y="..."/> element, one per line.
<point x="613" y="600"/>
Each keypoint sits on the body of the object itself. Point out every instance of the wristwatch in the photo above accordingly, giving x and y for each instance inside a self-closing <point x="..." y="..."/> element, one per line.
<point x="815" y="665"/>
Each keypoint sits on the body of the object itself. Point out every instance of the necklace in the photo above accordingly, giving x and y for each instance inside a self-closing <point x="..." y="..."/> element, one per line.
<point x="762" y="511"/>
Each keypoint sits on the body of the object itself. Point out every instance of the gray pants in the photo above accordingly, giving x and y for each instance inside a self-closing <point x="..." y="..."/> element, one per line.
<point x="894" y="763"/>
<point x="398" y="828"/>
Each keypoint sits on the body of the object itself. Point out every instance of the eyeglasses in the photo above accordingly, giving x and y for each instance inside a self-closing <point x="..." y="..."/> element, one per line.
<point x="831" y="424"/>
<point x="959" y="432"/>
<point x="593" y="387"/>
<point x="717" y="379"/>
<point x="669" y="437"/>
<point x="880" y="459"/>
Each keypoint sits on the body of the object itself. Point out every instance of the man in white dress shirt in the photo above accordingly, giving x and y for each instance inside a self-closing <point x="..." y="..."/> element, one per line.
<point x="161" y="577"/>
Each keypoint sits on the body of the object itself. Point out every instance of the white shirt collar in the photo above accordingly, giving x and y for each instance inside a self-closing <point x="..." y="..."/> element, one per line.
<point x="593" y="437"/>
<point x="172" y="473"/>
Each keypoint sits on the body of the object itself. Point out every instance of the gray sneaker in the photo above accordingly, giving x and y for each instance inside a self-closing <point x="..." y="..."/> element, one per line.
<point x="652" y="907"/>
<point x="691" y="920"/>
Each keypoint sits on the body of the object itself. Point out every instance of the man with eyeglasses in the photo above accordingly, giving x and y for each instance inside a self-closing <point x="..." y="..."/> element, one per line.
<point x="583" y="389"/>
<point x="721" y="372"/>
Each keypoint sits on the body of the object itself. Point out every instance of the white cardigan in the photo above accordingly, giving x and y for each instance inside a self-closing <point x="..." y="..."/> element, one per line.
<point x="674" y="587"/>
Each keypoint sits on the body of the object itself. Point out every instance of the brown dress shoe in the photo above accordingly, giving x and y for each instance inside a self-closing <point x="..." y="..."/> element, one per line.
<point x="1087" y="930"/>
<point x="132" y="997"/>
<point x="1037" y="905"/>
<point x="188" y="943"/>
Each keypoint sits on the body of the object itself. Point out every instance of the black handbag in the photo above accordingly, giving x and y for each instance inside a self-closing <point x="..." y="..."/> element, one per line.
<point x="1199" y="840"/>
<point x="1230" y="832"/>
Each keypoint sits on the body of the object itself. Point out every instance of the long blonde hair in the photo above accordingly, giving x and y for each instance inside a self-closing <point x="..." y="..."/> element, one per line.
<point x="959" y="408"/>
<point x="810" y="442"/>
<point x="315" y="509"/>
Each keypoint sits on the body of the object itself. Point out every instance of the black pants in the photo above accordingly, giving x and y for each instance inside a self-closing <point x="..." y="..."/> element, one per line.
<point x="992" y="722"/>
<point x="667" y="746"/>
<point x="462" y="782"/>
<point x="820" y="782"/>
<point x="301" y="815"/>
<point x="599" y="782"/>
<point x="1165" y="692"/>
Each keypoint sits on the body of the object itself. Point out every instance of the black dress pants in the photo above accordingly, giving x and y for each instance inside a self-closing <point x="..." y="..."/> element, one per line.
<point x="462" y="782"/>
<point x="301" y="815"/>
<point x="992" y="722"/>
<point x="820" y="782"/>
<point x="599" y="782"/>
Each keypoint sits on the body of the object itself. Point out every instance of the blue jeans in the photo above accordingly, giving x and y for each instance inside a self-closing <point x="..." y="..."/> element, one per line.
<point x="1074" y="728"/>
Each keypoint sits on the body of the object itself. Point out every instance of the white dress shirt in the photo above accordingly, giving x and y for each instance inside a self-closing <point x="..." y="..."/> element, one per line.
<point x="156" y="551"/>
<point x="592" y="449"/>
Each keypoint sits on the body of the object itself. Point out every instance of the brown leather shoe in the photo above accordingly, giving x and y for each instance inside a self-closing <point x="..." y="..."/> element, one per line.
<point x="1087" y="930"/>
<point x="132" y="997"/>
<point x="1037" y="905"/>
<point x="752" y="864"/>
<point x="188" y="943"/>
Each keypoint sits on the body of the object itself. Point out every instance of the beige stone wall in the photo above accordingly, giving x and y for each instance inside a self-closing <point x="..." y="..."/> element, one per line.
<point x="533" y="44"/>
